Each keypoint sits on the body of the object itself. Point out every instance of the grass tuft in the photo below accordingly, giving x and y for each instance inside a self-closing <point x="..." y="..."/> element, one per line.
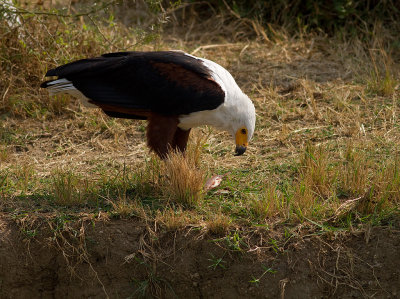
<point x="354" y="174"/>
<point x="382" y="79"/>
<point x="314" y="171"/>
<point x="70" y="189"/>
<point x="219" y="223"/>
<point x="183" y="180"/>
<point x="125" y="208"/>
<point x="315" y="183"/>
<point x="384" y="193"/>
<point x="172" y="219"/>
<point x="270" y="204"/>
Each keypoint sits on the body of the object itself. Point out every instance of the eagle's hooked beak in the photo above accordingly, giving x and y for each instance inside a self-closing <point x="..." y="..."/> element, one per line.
<point x="241" y="141"/>
<point x="239" y="150"/>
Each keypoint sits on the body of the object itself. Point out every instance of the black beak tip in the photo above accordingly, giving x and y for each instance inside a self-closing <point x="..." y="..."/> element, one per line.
<point x="240" y="150"/>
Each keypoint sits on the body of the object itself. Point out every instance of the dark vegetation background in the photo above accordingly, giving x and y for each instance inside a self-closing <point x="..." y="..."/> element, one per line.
<point x="330" y="17"/>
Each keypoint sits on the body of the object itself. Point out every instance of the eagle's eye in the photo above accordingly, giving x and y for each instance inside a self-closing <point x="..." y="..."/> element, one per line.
<point x="243" y="131"/>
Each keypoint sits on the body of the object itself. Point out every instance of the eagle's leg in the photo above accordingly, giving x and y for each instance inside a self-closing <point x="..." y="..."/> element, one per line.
<point x="180" y="140"/>
<point x="161" y="130"/>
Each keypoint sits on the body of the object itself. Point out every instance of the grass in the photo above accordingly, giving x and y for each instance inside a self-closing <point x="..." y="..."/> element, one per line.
<point x="325" y="150"/>
<point x="266" y="270"/>
<point x="216" y="262"/>
<point x="151" y="285"/>
<point x="183" y="180"/>
<point x="66" y="189"/>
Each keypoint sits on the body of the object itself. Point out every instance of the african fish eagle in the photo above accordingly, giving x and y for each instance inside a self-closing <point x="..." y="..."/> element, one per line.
<point x="173" y="90"/>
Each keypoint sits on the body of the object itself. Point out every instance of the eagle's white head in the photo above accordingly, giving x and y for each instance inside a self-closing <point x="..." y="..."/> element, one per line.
<point x="236" y="114"/>
<point x="242" y="123"/>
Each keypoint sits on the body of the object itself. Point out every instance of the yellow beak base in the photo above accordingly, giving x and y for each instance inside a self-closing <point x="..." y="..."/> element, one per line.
<point x="241" y="141"/>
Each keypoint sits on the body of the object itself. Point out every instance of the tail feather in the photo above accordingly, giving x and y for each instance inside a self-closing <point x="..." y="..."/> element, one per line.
<point x="65" y="86"/>
<point x="58" y="86"/>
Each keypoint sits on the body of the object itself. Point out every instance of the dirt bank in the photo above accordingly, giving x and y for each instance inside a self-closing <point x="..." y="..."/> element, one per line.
<point x="128" y="258"/>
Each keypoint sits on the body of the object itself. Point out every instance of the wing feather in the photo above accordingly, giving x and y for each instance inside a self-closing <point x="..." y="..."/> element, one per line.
<point x="168" y="82"/>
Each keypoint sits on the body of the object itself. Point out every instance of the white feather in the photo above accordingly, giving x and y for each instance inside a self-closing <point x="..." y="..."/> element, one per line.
<point x="237" y="110"/>
<point x="65" y="86"/>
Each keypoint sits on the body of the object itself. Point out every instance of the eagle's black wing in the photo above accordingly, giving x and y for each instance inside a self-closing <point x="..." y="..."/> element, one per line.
<point x="168" y="82"/>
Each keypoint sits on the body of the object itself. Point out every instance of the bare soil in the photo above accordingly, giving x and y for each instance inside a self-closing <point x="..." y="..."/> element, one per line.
<point x="129" y="258"/>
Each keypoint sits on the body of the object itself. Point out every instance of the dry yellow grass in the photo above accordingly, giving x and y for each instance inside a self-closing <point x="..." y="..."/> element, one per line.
<point x="270" y="204"/>
<point x="183" y="180"/>
<point x="126" y="208"/>
<point x="173" y="219"/>
<point x="218" y="223"/>
<point x="70" y="189"/>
